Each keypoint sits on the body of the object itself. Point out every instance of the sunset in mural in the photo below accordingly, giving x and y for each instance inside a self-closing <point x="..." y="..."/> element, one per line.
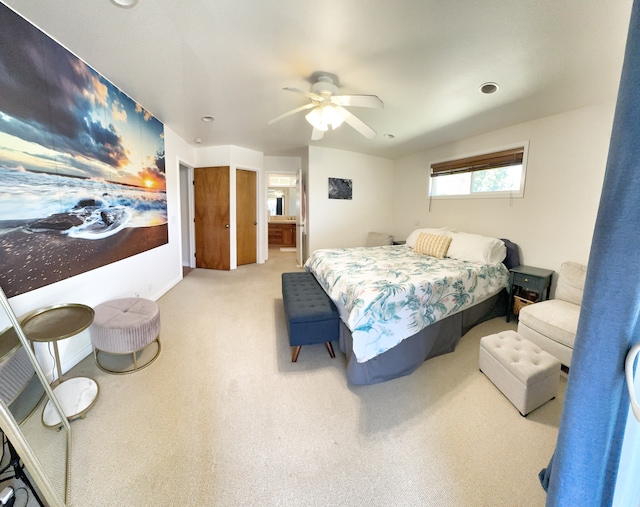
<point x="82" y="170"/>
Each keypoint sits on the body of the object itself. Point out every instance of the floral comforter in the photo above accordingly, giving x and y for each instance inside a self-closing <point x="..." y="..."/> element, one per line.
<point x="386" y="294"/>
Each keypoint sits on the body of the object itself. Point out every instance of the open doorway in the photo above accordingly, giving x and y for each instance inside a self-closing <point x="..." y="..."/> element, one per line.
<point x="186" y="218"/>
<point x="283" y="211"/>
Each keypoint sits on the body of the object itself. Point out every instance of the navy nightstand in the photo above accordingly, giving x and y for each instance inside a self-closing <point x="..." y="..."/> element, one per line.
<point x="528" y="283"/>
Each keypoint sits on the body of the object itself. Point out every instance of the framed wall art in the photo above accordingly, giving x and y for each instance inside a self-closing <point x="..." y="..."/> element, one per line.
<point x="82" y="170"/>
<point x="340" y="188"/>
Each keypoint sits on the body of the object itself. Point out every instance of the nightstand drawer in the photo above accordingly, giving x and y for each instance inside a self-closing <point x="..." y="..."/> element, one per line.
<point x="528" y="282"/>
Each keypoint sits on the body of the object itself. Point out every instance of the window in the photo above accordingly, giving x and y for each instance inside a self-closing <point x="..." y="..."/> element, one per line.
<point x="278" y="180"/>
<point x="496" y="174"/>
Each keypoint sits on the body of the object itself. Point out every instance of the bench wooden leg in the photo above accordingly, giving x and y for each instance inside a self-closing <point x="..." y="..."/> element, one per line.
<point x="330" y="349"/>
<point x="296" y="352"/>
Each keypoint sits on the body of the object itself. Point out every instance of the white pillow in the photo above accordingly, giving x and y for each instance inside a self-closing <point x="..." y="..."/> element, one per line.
<point x="411" y="239"/>
<point x="476" y="248"/>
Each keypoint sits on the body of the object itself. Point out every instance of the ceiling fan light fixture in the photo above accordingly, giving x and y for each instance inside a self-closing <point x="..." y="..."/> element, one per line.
<point x="314" y="117"/>
<point x="323" y="117"/>
<point x="327" y="108"/>
<point x="332" y="116"/>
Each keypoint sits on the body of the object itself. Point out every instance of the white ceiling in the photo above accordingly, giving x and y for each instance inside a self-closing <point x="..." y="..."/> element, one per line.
<point x="426" y="59"/>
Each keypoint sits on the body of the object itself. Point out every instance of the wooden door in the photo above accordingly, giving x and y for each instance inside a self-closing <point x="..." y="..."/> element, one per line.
<point x="211" y="203"/>
<point x="246" y="217"/>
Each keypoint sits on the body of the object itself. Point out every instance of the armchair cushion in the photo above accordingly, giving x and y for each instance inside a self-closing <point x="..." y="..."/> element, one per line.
<point x="556" y="319"/>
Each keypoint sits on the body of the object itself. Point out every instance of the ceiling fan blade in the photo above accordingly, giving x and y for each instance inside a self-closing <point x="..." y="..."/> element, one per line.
<point x="317" y="134"/>
<point x="302" y="92"/>
<point x="357" y="123"/>
<point x="358" y="101"/>
<point x="293" y="111"/>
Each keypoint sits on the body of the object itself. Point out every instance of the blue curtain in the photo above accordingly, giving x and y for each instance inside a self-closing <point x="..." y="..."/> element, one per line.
<point x="583" y="468"/>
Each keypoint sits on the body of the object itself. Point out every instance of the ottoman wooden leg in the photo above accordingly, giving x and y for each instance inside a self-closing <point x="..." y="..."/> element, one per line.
<point x="330" y="349"/>
<point x="296" y="352"/>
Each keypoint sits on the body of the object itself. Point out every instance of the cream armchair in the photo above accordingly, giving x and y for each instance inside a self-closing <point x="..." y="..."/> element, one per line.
<point x="552" y="324"/>
<point x="379" y="239"/>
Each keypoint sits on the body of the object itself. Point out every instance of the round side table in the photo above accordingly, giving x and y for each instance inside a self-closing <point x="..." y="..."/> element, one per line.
<point x="76" y="395"/>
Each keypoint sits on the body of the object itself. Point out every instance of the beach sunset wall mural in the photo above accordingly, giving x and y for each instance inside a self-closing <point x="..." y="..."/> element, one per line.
<point x="82" y="172"/>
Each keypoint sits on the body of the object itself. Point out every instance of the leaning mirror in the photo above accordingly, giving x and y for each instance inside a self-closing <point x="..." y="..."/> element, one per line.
<point x="24" y="392"/>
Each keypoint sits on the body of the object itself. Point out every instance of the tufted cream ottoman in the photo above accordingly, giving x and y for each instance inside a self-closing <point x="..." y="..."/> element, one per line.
<point x="527" y="375"/>
<point x="125" y="326"/>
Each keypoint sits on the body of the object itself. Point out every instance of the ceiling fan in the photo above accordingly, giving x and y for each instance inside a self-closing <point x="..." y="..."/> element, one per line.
<point x="329" y="109"/>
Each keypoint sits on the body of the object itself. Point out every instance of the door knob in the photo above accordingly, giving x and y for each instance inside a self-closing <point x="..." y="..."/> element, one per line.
<point x="255" y="223"/>
<point x="629" y="374"/>
<point x="226" y="226"/>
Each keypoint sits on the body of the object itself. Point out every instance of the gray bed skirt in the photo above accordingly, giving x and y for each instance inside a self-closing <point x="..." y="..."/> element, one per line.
<point x="434" y="340"/>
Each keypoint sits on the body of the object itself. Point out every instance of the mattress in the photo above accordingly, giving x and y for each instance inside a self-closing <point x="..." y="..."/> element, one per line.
<point x="387" y="294"/>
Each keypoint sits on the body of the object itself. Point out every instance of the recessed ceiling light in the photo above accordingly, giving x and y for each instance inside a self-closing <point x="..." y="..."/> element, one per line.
<point x="197" y="140"/>
<point x="125" y="4"/>
<point x="489" y="88"/>
<point x="389" y="136"/>
<point x="208" y="118"/>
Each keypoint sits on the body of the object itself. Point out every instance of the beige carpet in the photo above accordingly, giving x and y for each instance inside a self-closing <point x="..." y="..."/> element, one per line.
<point x="223" y="418"/>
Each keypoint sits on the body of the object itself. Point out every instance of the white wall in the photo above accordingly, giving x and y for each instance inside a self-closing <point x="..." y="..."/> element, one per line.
<point x="336" y="223"/>
<point x="239" y="158"/>
<point x="149" y="274"/>
<point x="281" y="165"/>
<point x="554" y="220"/>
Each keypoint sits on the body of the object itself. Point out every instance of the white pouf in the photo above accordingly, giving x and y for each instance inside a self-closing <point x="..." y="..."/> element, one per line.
<point x="125" y="326"/>
<point x="527" y="375"/>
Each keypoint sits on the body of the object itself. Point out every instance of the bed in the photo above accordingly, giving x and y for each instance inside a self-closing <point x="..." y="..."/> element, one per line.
<point x="400" y="306"/>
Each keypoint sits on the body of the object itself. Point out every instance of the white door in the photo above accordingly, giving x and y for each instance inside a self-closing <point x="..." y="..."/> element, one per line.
<point x="186" y="215"/>
<point x="301" y="207"/>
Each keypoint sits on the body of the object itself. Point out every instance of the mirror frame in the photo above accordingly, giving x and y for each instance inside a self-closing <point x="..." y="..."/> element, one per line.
<point x="15" y="435"/>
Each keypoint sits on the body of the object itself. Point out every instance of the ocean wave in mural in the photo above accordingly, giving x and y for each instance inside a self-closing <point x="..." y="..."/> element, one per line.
<point x="82" y="173"/>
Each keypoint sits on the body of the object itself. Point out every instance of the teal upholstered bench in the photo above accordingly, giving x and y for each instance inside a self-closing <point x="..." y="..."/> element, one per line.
<point x="311" y="315"/>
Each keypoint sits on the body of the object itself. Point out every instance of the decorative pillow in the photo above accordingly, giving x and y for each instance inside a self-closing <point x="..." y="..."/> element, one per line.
<point x="434" y="245"/>
<point x="411" y="239"/>
<point x="476" y="248"/>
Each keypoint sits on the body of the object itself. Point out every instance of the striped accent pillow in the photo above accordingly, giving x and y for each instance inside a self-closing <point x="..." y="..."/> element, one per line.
<point x="433" y="245"/>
